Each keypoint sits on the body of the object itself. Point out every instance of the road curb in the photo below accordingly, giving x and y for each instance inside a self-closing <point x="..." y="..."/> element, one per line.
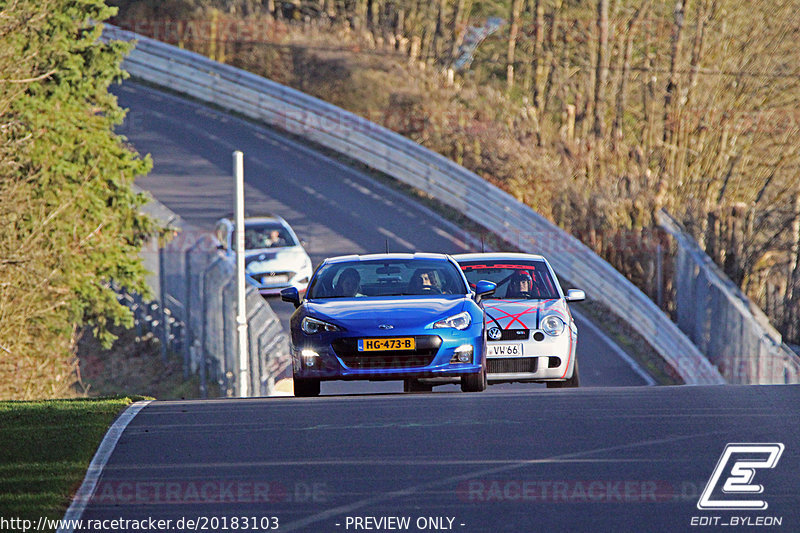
<point x="104" y="451"/>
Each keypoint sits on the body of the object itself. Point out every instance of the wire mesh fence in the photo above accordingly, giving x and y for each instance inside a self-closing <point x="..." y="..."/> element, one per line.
<point x="194" y="312"/>
<point x="726" y="326"/>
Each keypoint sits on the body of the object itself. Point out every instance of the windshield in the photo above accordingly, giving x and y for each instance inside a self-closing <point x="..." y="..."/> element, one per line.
<point x="516" y="280"/>
<point x="391" y="277"/>
<point x="267" y="235"/>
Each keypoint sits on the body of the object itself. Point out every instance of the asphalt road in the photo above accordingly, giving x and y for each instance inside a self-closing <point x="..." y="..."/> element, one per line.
<point x="599" y="458"/>
<point x="337" y="210"/>
<point x="592" y="459"/>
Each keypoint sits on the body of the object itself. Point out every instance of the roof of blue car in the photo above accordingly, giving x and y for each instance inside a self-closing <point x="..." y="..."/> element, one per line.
<point x="379" y="257"/>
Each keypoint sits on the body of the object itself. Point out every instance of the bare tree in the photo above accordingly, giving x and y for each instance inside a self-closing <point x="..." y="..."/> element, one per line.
<point x="438" y="36"/>
<point x="672" y="86"/>
<point x="622" y="89"/>
<point x="791" y="300"/>
<point x="516" y="6"/>
<point x="601" y="76"/>
<point x="457" y="32"/>
<point x="550" y="63"/>
<point x="538" y="56"/>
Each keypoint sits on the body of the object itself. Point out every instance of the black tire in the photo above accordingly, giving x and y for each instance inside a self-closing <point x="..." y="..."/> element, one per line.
<point x="474" y="382"/>
<point x="415" y="385"/>
<point x="306" y="388"/>
<point x="572" y="382"/>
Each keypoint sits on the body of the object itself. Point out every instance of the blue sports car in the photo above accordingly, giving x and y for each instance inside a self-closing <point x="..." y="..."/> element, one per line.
<point x="389" y="317"/>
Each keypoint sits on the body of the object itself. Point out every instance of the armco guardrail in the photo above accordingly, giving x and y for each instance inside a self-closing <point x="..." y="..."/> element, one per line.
<point x="722" y="321"/>
<point x="377" y="147"/>
<point x="195" y="313"/>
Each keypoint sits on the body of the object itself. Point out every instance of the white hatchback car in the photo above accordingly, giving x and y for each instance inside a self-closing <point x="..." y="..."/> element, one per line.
<point x="274" y="256"/>
<point x="530" y="331"/>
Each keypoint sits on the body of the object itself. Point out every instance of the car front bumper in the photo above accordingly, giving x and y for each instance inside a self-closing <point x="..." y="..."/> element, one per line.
<point x="551" y="359"/>
<point x="330" y="365"/>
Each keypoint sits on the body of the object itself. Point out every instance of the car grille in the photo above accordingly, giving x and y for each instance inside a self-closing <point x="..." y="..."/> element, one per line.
<point x="512" y="335"/>
<point x="502" y="365"/>
<point x="264" y="277"/>
<point x="427" y="346"/>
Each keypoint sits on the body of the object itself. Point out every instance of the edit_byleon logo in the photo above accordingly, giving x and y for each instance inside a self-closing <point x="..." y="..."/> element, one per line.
<point x="737" y="467"/>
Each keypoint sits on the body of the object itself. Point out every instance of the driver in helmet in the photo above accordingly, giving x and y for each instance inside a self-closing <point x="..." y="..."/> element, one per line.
<point x="520" y="284"/>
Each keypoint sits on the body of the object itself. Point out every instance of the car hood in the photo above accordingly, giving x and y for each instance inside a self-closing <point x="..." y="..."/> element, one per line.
<point x="274" y="259"/>
<point x="522" y="314"/>
<point x="406" y="312"/>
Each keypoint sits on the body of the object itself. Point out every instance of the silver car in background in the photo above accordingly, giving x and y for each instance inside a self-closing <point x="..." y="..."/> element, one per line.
<point x="274" y="256"/>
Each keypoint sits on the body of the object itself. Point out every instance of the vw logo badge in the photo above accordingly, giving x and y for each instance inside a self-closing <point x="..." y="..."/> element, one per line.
<point x="495" y="334"/>
<point x="385" y="326"/>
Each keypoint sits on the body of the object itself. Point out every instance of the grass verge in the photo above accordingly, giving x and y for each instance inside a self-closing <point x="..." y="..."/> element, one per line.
<point x="46" y="447"/>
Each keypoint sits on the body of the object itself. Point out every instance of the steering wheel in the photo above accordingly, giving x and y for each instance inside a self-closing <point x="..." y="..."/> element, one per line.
<point x="520" y="296"/>
<point x="431" y="290"/>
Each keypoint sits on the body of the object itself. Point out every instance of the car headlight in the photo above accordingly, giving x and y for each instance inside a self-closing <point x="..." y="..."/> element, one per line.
<point x="312" y="326"/>
<point x="553" y="325"/>
<point x="460" y="321"/>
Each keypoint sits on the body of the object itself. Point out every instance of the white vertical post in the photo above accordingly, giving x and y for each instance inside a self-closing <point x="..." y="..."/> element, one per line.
<point x="241" y="309"/>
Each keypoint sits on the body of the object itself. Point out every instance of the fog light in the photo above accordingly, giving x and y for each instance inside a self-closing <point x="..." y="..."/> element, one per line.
<point x="310" y="358"/>
<point x="462" y="354"/>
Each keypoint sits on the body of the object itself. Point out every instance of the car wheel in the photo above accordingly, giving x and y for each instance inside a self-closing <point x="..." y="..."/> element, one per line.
<point x="574" y="381"/>
<point x="474" y="382"/>
<point x="415" y="385"/>
<point x="304" y="388"/>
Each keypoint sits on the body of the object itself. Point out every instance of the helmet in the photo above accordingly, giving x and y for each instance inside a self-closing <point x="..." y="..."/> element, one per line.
<point x="521" y="275"/>
<point x="515" y="289"/>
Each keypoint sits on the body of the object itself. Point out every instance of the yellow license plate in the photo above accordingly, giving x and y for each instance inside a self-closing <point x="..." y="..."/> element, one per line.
<point x="398" y="343"/>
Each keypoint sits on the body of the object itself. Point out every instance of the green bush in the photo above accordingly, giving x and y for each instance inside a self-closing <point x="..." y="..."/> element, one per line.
<point x="71" y="223"/>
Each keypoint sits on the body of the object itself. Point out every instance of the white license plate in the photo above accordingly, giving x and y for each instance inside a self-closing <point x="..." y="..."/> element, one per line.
<point x="271" y="280"/>
<point x="505" y="349"/>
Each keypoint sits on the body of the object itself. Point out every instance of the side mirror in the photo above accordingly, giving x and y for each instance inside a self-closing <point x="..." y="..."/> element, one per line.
<point x="291" y="295"/>
<point x="484" y="288"/>
<point x="575" y="295"/>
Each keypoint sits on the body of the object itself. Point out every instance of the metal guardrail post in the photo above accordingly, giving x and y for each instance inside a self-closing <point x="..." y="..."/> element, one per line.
<point x="163" y="330"/>
<point x="203" y="364"/>
<point x="187" y="298"/>
<point x="241" y="288"/>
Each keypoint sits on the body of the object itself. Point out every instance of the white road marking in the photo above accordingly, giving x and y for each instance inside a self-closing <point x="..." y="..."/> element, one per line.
<point x="99" y="461"/>
<point x="386" y="233"/>
<point x="408" y="491"/>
